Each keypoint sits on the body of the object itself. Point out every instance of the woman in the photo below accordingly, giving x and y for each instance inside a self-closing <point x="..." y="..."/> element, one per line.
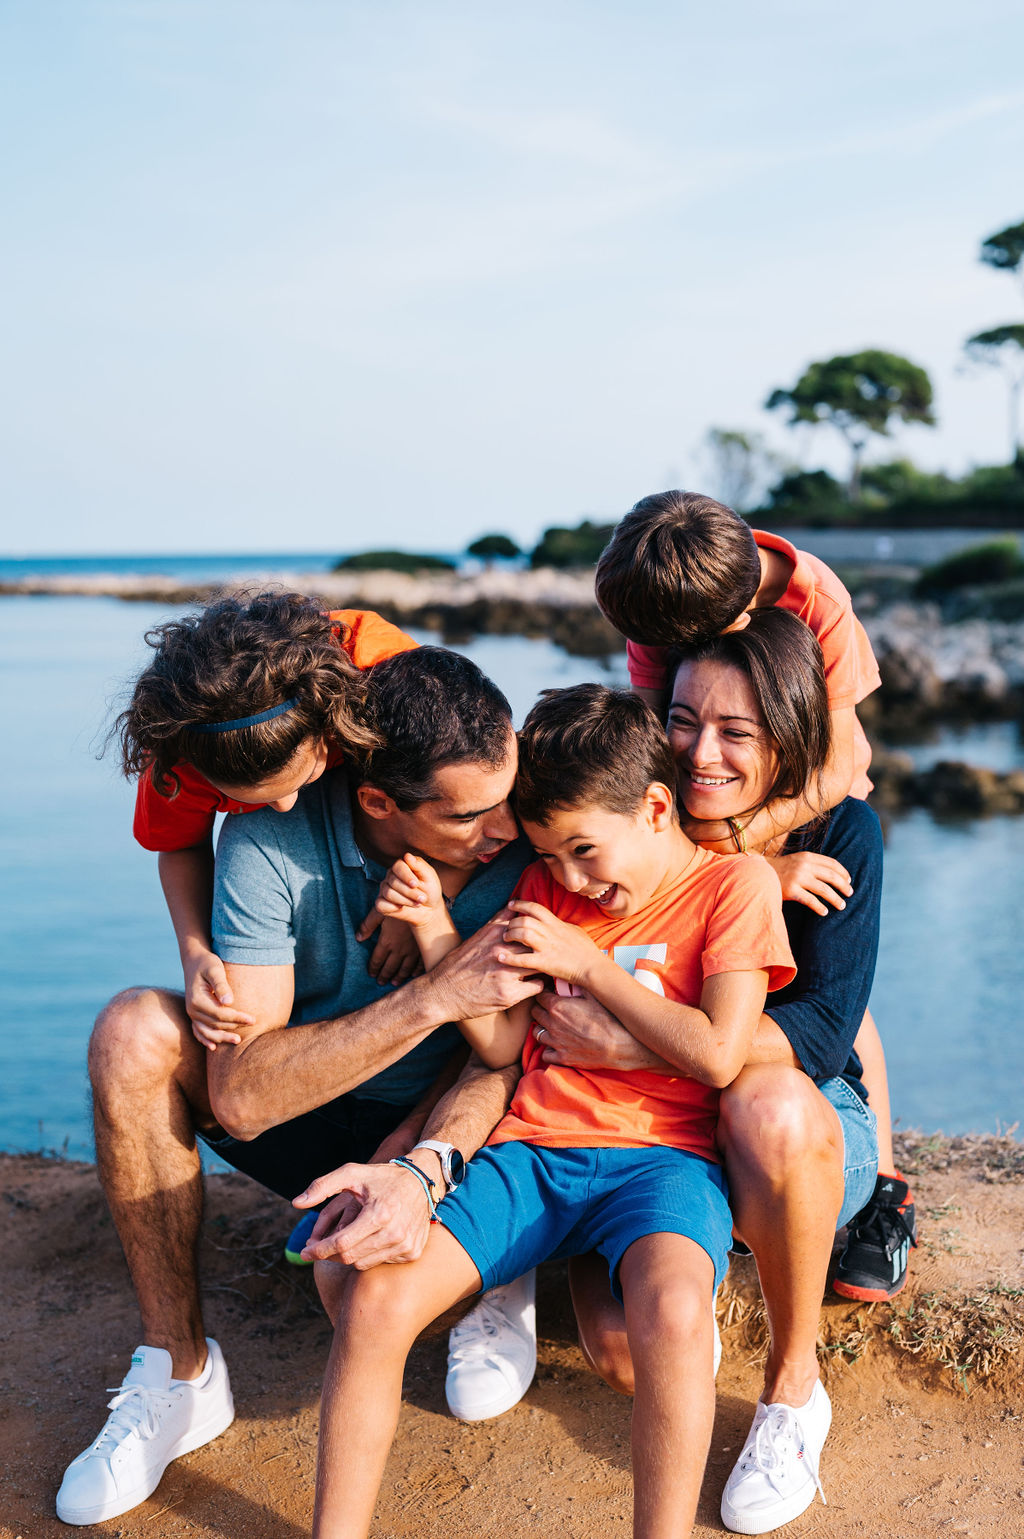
<point x="748" y="723"/>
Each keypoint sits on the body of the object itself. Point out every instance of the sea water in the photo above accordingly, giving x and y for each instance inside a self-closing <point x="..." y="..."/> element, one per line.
<point x="82" y="913"/>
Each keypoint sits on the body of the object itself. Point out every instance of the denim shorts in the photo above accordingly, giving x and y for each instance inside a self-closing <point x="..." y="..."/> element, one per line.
<point x="860" y="1145"/>
<point x="524" y="1203"/>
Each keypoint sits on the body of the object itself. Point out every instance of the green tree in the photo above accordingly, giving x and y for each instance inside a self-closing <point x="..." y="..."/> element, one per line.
<point x="1005" y="250"/>
<point x="564" y="547"/>
<point x="491" y="547"/>
<point x="859" y="394"/>
<point x="1003" y="348"/>
<point x="742" y="467"/>
<point x="393" y="561"/>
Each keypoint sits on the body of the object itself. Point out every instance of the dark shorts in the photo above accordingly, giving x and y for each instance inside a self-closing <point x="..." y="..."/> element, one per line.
<point x="522" y="1203"/>
<point x="287" y="1158"/>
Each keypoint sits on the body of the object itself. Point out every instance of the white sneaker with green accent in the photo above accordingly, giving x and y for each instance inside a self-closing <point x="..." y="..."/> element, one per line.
<point x="492" y="1353"/>
<point x="153" y="1419"/>
<point x="776" y="1475"/>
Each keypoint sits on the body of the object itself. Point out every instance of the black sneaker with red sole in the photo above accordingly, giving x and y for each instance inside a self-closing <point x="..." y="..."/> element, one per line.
<point x="873" y="1267"/>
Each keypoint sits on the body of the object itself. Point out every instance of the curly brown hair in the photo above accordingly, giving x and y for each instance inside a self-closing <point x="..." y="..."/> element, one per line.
<point x="239" y="656"/>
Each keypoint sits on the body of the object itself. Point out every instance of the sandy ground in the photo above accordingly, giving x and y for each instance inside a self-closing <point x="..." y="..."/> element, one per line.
<point x="928" y="1395"/>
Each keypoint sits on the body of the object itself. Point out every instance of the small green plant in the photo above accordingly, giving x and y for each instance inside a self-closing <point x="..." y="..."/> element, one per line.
<point x="993" y="561"/>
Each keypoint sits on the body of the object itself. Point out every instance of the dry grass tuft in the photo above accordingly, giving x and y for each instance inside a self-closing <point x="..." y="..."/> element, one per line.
<point x="977" y="1333"/>
<point x="992" y="1156"/>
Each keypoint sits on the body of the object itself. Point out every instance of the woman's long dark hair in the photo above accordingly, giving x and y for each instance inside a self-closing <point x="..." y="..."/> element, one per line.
<point x="782" y="660"/>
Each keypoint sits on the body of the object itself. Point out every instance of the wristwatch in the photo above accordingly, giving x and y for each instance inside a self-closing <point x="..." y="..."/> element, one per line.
<point x="453" y="1166"/>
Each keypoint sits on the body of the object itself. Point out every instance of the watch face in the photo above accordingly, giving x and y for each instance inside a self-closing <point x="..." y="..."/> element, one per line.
<point x="456" y="1167"/>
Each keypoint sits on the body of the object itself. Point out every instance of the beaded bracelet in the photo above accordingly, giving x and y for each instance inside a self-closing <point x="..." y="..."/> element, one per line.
<point x="425" y="1181"/>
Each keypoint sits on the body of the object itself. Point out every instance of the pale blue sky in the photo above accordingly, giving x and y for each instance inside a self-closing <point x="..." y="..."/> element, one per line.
<point x="283" y="274"/>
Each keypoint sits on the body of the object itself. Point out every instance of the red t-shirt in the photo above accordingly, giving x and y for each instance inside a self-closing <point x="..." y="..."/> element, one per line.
<point x="186" y="818"/>
<point x="817" y="597"/>
<point x="723" y="914"/>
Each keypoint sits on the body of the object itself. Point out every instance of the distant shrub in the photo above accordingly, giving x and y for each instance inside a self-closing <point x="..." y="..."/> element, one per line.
<point x="494" y="547"/>
<point x="901" y="480"/>
<point x="572" y="547"/>
<point x="993" y="561"/>
<point x="393" y="561"/>
<point x="807" y="495"/>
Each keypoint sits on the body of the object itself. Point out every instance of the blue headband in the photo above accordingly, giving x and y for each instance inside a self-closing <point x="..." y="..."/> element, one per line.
<point x="246" y="721"/>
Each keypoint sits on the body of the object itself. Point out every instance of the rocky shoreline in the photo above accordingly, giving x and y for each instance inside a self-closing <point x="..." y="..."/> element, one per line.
<point x="933" y="669"/>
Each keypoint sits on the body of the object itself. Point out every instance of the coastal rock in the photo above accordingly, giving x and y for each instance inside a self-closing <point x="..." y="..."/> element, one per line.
<point x="949" y="788"/>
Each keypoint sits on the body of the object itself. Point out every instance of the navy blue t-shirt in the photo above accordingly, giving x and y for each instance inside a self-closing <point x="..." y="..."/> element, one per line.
<point x="821" y="1010"/>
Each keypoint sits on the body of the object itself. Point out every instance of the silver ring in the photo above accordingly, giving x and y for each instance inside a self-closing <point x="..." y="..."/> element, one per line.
<point x="540" y="1032"/>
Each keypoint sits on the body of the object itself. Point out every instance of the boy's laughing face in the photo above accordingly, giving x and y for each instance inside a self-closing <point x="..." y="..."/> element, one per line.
<point x="618" y="862"/>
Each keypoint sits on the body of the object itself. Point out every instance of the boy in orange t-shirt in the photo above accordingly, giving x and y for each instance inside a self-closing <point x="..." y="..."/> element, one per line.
<point x="680" y="945"/>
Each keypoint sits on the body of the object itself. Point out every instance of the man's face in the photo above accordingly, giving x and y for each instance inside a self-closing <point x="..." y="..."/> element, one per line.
<point x="467" y="820"/>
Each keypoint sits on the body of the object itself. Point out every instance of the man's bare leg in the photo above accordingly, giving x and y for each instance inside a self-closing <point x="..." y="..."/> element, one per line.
<point x="378" y="1314"/>
<point x="148" y="1077"/>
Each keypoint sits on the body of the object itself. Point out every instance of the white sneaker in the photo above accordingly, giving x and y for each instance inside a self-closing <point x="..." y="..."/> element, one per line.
<point x="492" y="1353"/>
<point x="153" y="1420"/>
<point x="776" y="1475"/>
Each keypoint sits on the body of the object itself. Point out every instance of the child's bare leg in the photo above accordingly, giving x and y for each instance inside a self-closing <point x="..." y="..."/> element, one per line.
<point x="783" y="1150"/>
<point x="667" y="1286"/>
<point x="869" y="1049"/>
<point x="378" y="1315"/>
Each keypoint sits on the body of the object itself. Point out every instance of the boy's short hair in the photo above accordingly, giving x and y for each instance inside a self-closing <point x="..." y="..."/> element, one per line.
<point x="429" y="708"/>
<point x="679" y="567"/>
<point x="590" y="744"/>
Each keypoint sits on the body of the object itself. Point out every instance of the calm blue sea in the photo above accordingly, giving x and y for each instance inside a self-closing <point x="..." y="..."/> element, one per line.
<point x="898" y="547"/>
<point x="82" y="915"/>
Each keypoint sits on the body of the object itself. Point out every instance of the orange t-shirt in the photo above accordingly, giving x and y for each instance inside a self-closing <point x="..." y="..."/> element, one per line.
<point x="186" y="818"/>
<point x="723" y="914"/>
<point x="817" y="597"/>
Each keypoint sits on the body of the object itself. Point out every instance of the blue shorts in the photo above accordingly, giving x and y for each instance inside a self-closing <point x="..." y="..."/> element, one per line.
<point x="524" y="1203"/>
<point x="860" y="1145"/>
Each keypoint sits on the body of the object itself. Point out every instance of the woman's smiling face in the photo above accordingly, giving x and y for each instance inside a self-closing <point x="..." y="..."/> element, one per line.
<point x="724" y="758"/>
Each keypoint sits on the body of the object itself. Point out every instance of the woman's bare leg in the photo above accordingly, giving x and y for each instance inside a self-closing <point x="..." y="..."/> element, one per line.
<point x="378" y="1315"/>
<point x="869" y="1049"/>
<point x="783" y="1150"/>
<point x="667" y="1285"/>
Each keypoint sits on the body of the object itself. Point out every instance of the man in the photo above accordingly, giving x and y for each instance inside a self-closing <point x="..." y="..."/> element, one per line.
<point x="336" y="1068"/>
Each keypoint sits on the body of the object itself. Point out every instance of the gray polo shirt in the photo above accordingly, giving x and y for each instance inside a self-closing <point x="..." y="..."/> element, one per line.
<point x="292" y="888"/>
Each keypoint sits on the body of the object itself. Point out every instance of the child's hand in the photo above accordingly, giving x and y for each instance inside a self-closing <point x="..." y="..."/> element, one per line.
<point x="209" y="1036"/>
<point x="396" y="956"/>
<point x="209" y="1001"/>
<point x="411" y="891"/>
<point x="549" y="945"/>
<point x="814" y="880"/>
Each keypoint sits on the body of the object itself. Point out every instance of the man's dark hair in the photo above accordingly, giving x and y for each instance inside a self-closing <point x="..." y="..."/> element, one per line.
<point x="430" y="708"/>
<point x="590" y="744"/>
